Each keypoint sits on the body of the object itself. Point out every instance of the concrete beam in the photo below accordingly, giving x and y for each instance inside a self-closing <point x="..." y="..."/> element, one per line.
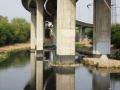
<point x="102" y="27"/>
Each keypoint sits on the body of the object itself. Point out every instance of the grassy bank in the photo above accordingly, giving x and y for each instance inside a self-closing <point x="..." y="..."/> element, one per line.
<point x="6" y="55"/>
<point x="8" y="51"/>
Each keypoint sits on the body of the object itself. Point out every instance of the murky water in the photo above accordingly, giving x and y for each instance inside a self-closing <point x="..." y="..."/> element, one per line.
<point x="15" y="75"/>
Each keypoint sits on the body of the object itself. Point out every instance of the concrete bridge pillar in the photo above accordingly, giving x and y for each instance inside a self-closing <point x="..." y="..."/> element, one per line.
<point x="66" y="30"/>
<point x="33" y="29"/>
<point x="33" y="47"/>
<point x="80" y="33"/>
<point x="102" y="27"/>
<point x="40" y="37"/>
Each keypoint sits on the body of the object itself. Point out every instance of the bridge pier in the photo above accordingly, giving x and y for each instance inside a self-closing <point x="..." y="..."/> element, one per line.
<point x="102" y="27"/>
<point x="80" y="33"/>
<point x="40" y="37"/>
<point x="33" y="49"/>
<point x="66" y="30"/>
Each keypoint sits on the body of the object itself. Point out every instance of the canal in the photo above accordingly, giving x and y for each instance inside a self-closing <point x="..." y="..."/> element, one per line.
<point x="15" y="75"/>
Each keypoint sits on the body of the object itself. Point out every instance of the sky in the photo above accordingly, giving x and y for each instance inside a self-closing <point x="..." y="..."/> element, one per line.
<point x="14" y="8"/>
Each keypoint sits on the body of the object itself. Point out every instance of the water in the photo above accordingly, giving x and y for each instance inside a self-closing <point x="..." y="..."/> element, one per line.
<point x="15" y="75"/>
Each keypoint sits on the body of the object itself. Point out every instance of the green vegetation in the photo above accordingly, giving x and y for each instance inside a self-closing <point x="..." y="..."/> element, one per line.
<point x="6" y="55"/>
<point x="117" y="55"/>
<point x="78" y="45"/>
<point x="16" y="31"/>
<point x="115" y="35"/>
<point x="89" y="32"/>
<point x="14" y="61"/>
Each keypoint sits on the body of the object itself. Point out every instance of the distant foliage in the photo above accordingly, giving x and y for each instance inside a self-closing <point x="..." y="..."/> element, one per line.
<point x="16" y="31"/>
<point x="115" y="35"/>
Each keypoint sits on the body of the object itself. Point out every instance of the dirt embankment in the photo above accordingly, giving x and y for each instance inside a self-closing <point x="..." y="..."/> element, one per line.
<point x="15" y="47"/>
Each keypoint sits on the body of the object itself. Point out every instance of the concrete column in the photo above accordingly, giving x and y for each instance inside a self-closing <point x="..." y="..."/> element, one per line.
<point x="40" y="37"/>
<point x="40" y="27"/>
<point x="102" y="27"/>
<point x="80" y="33"/>
<point x="65" y="79"/>
<point x="66" y="29"/>
<point x="101" y="82"/>
<point x="33" y="29"/>
<point x="33" y="47"/>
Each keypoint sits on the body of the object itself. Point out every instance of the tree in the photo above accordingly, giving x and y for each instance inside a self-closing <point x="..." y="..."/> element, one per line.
<point x="21" y="29"/>
<point x="18" y="30"/>
<point x="115" y="35"/>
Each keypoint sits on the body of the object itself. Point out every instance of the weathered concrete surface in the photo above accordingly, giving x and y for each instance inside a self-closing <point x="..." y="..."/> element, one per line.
<point x="66" y="27"/>
<point x="102" y="27"/>
<point x="40" y="25"/>
<point x="33" y="29"/>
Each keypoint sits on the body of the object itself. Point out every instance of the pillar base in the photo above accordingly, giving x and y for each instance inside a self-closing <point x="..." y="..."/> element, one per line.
<point x="32" y="51"/>
<point x="39" y="55"/>
<point x="66" y="59"/>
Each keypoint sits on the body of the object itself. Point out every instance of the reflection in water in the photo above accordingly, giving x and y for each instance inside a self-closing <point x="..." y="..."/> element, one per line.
<point x="101" y="82"/>
<point x="15" y="75"/>
<point x="15" y="72"/>
<point x="83" y="79"/>
<point x="33" y="70"/>
<point x="65" y="78"/>
<point x="115" y="81"/>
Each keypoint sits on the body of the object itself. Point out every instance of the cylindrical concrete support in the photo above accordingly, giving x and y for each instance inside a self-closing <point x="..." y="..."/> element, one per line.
<point x="39" y="29"/>
<point x="33" y="29"/>
<point x="102" y="27"/>
<point x="80" y="33"/>
<point x="39" y="46"/>
<point x="33" y="47"/>
<point x="40" y="24"/>
<point x="66" y="29"/>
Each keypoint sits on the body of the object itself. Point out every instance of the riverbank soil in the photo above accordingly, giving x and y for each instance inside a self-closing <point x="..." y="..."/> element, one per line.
<point x="14" y="47"/>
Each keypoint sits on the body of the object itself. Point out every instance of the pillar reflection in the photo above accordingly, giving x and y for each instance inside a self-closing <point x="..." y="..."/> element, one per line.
<point x="101" y="82"/>
<point x="65" y="78"/>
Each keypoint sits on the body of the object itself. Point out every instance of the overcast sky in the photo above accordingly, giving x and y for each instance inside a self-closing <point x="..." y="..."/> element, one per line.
<point x="14" y="8"/>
